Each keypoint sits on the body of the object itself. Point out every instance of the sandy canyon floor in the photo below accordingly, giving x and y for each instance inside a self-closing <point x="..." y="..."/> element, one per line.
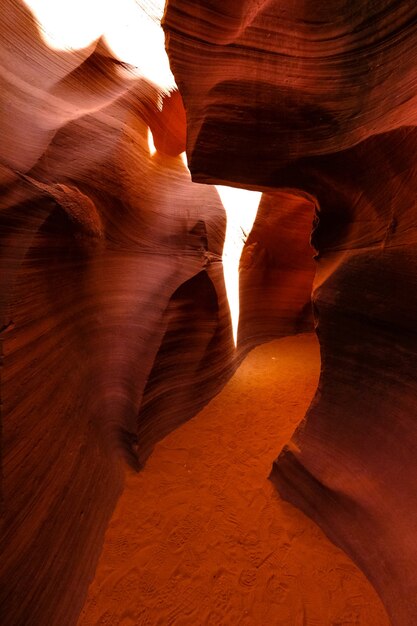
<point x="200" y="536"/>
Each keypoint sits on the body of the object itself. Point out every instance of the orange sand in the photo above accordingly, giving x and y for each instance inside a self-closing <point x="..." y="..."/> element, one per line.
<point x="200" y="537"/>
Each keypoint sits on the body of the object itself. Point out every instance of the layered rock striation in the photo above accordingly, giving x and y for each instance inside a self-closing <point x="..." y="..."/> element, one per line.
<point x="321" y="100"/>
<point x="115" y="325"/>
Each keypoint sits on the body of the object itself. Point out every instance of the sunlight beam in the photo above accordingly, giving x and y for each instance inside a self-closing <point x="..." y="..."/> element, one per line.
<point x="241" y="206"/>
<point x="151" y="144"/>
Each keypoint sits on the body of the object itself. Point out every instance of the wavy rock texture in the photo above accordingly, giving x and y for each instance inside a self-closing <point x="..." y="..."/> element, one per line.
<point x="276" y="270"/>
<point x="115" y="326"/>
<point x="284" y="81"/>
<point x="322" y="99"/>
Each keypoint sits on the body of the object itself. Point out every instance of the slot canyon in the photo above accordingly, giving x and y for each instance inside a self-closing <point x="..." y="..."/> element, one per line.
<point x="208" y="283"/>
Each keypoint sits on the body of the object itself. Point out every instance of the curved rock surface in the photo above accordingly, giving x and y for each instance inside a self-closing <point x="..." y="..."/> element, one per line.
<point x="115" y="326"/>
<point x="322" y="99"/>
<point x="283" y="81"/>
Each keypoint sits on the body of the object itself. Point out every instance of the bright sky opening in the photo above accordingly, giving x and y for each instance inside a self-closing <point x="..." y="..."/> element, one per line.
<point x="131" y="30"/>
<point x="241" y="208"/>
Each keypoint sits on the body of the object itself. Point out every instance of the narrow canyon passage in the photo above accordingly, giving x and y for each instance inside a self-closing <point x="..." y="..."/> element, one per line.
<point x="201" y="537"/>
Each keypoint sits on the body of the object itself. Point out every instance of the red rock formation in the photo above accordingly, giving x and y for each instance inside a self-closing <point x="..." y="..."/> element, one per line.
<point x="97" y="238"/>
<point x="349" y="464"/>
<point x="284" y="81"/>
<point x="277" y="270"/>
<point x="115" y="324"/>
<point x="322" y="99"/>
<point x="86" y="316"/>
<point x="114" y="321"/>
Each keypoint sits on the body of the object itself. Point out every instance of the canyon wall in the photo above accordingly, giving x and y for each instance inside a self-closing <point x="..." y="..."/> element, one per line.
<point x="115" y="325"/>
<point x="320" y="101"/>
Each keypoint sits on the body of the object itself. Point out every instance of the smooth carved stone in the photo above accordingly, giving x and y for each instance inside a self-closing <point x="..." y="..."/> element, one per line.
<point x="265" y="83"/>
<point x="46" y="88"/>
<point x="349" y="463"/>
<point x="115" y="325"/>
<point x="114" y="322"/>
<point x="322" y="100"/>
<point x="277" y="270"/>
<point x="168" y="125"/>
<point x="86" y="319"/>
